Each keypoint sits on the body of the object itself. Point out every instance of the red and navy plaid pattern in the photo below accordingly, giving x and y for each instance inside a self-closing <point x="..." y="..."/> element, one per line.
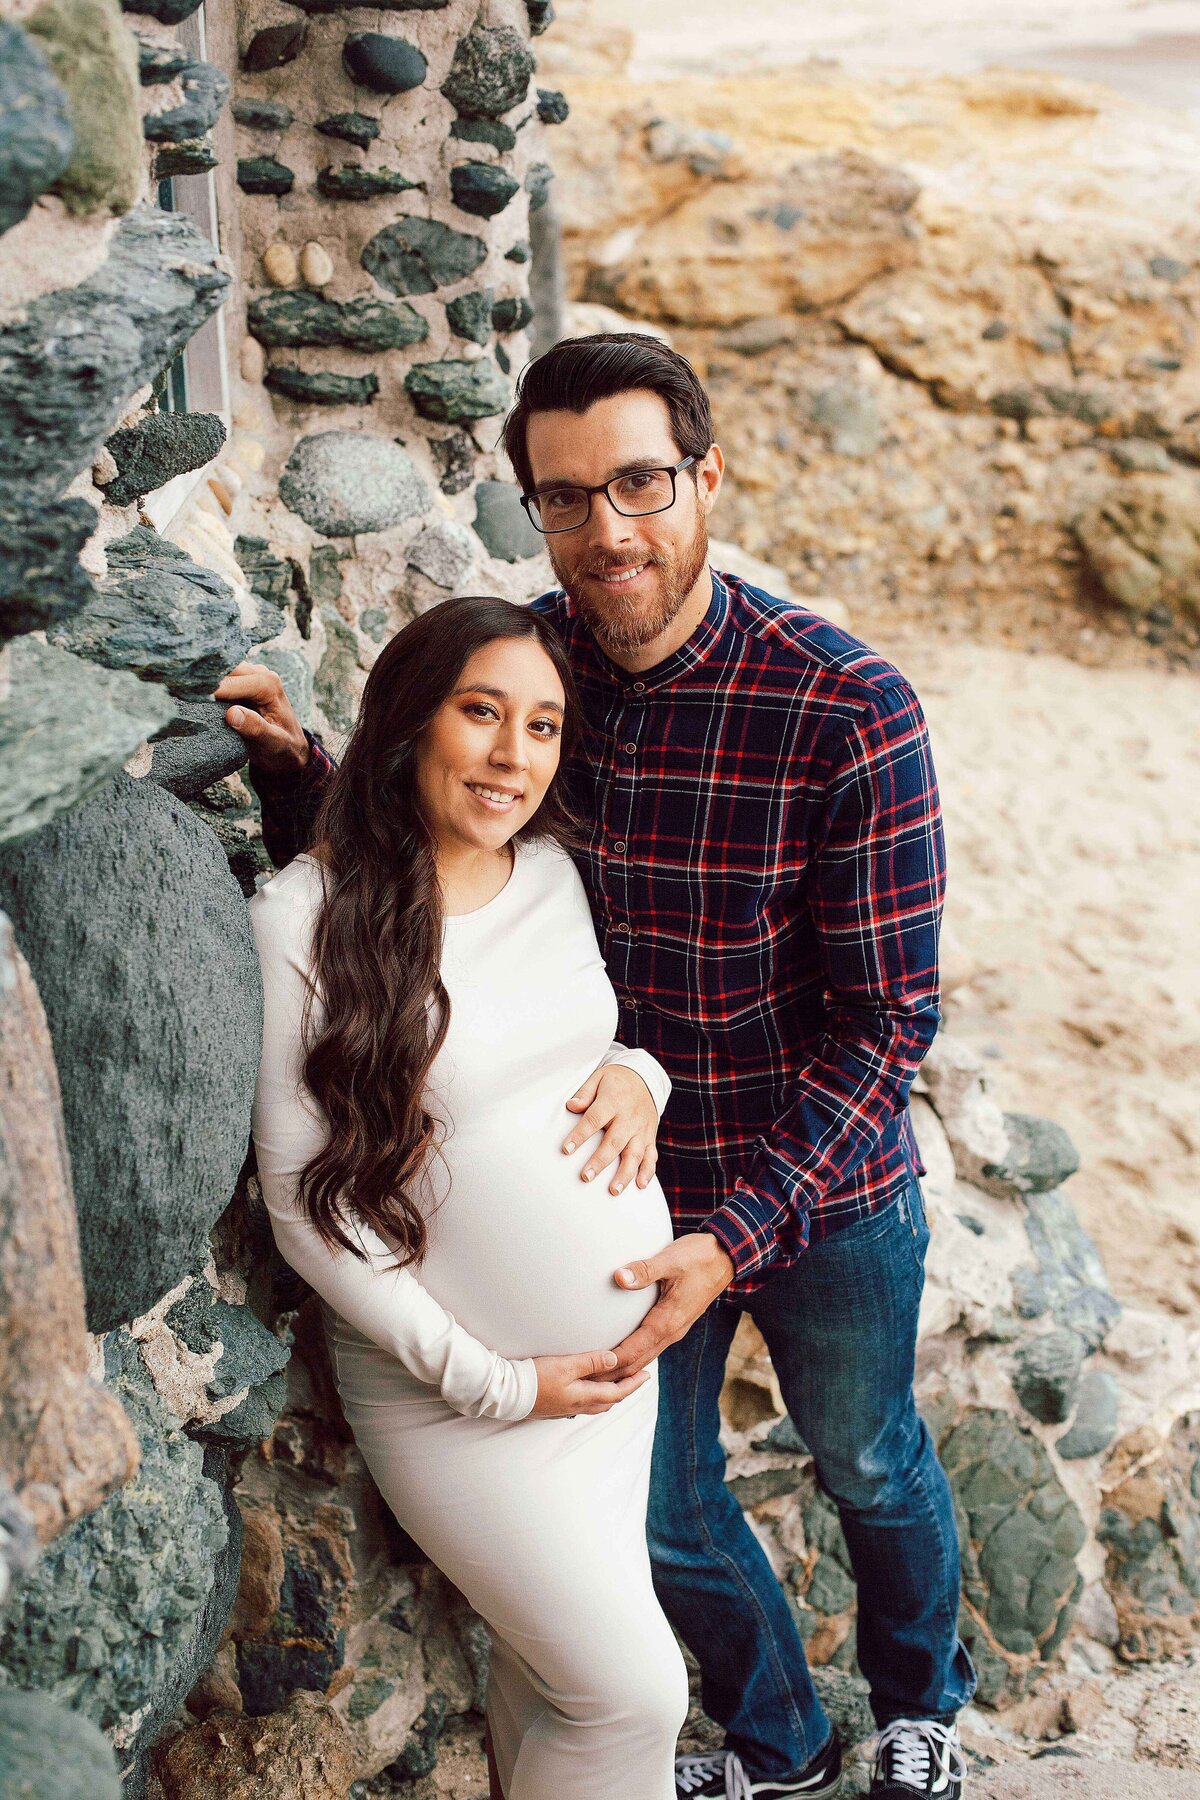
<point x="766" y="869"/>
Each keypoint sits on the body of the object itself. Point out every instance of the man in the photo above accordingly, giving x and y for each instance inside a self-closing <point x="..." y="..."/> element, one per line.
<point x="766" y="871"/>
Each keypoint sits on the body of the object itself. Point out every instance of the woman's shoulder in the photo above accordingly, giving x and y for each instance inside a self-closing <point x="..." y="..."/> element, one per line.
<point x="289" y="901"/>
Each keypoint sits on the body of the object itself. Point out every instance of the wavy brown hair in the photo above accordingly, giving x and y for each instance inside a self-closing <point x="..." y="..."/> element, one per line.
<point x="377" y="939"/>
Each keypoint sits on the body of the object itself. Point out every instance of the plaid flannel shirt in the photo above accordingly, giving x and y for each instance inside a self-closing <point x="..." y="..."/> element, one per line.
<point x="766" y="870"/>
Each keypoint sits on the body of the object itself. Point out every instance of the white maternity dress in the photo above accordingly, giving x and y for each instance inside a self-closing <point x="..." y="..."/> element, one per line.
<point x="541" y="1523"/>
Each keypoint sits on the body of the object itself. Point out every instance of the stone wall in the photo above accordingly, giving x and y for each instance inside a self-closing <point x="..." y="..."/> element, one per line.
<point x="182" y="1512"/>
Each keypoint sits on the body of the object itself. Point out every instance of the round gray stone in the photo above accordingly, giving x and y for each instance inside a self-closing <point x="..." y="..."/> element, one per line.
<point x="50" y="1753"/>
<point x="444" y="552"/>
<point x="137" y="937"/>
<point x="1095" y="1423"/>
<point x="501" y="523"/>
<point x="345" y="482"/>
<point x="385" y="64"/>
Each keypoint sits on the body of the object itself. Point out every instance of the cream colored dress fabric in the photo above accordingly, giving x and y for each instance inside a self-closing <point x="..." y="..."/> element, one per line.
<point x="540" y="1522"/>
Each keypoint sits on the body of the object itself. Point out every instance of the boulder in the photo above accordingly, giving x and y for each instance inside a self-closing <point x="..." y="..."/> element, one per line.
<point x="1141" y="538"/>
<point x="159" y="447"/>
<point x="345" y="482"/>
<point x="41" y="580"/>
<point x="160" y="615"/>
<point x="299" y="318"/>
<point x="65" y="1443"/>
<point x="68" y="366"/>
<point x="36" y="134"/>
<point x="417" y="256"/>
<point x="50" y="1753"/>
<point x="66" y="727"/>
<point x="138" y="940"/>
<point x="94" y="60"/>
<point x="301" y="1752"/>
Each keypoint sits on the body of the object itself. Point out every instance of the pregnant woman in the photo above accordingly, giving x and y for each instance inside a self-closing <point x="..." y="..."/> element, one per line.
<point x="434" y="995"/>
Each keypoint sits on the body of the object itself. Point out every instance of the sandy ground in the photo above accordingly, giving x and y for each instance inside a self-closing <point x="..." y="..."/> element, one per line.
<point x="1072" y="950"/>
<point x="1147" y="49"/>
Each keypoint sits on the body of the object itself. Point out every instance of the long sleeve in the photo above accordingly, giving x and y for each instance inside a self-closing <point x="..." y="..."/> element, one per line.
<point x="388" y="1305"/>
<point x="876" y="889"/>
<point x="643" y="1064"/>
<point x="289" y="802"/>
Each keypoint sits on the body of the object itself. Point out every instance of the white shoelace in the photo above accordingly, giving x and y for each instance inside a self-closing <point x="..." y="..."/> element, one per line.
<point x="695" y="1772"/>
<point x="917" y="1748"/>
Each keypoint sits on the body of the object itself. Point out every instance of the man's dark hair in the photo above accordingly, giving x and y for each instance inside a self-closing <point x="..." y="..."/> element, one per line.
<point x="579" y="371"/>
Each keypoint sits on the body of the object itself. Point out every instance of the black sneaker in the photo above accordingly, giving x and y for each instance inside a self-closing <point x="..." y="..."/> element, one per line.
<point x="917" y="1759"/>
<point x="722" y="1777"/>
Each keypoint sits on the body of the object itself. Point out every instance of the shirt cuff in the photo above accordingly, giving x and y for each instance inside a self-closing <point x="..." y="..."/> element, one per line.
<point x="625" y="1056"/>
<point x="747" y="1227"/>
<point x="292" y="781"/>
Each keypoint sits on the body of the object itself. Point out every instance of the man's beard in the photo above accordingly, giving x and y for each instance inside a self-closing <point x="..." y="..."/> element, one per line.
<point x="622" y="626"/>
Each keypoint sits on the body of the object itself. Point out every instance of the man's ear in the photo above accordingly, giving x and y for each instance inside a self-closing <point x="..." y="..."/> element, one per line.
<point x="708" y="477"/>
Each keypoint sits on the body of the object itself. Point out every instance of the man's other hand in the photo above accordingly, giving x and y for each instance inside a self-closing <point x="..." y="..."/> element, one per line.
<point x="263" y="716"/>
<point x="691" y="1272"/>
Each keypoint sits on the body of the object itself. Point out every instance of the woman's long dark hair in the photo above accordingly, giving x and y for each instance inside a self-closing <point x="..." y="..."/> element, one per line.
<point x="377" y="940"/>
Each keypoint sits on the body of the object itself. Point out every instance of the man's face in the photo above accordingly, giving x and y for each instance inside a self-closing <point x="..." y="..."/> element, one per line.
<point x="627" y="576"/>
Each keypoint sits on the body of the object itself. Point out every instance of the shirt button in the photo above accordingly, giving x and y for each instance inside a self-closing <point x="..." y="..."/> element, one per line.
<point x="630" y="749"/>
<point x="619" y="847"/>
<point x="639" y="687"/>
<point x="629" y="1002"/>
<point x="623" y="928"/>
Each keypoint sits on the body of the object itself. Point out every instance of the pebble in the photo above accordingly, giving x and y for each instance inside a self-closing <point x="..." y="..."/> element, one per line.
<point x="280" y="266"/>
<point x="252" y="360"/>
<point x="316" y="265"/>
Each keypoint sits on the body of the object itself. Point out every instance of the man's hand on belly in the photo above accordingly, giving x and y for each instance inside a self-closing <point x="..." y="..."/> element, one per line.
<point x="617" y="1101"/>
<point x="692" y="1272"/>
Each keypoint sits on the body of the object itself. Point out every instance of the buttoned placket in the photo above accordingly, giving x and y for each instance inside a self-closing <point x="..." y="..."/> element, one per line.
<point x="628" y="729"/>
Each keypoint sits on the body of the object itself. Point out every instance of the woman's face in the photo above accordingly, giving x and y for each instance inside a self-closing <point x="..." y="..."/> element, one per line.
<point x="491" y="750"/>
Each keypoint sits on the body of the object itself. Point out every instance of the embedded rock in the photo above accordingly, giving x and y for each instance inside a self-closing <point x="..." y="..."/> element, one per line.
<point x="192" y="158"/>
<point x="352" y="127"/>
<point x="270" y="579"/>
<point x="48" y="1752"/>
<point x="456" y="392"/>
<point x="205" y="91"/>
<point x="320" y="387"/>
<point x="160" y="615"/>
<point x="352" y="182"/>
<point x="850" y="416"/>
<point x="482" y="188"/>
<point x="443" y="552"/>
<point x="68" y="368"/>
<point x="275" y="46"/>
<point x="344" y="482"/>
<point x="137" y="937"/>
<point x="304" y="1643"/>
<point x="1020" y="1535"/>
<point x="1095" y="1423"/>
<point x="552" y="107"/>
<point x="541" y="15"/>
<point x="41" y="579"/>
<point x="262" y="115"/>
<point x="417" y="256"/>
<point x="303" y="1749"/>
<point x="455" y="459"/>
<point x="65" y="1443"/>
<point x="387" y="65"/>
<point x="66" y="727"/>
<point x="1141" y="538"/>
<point x="485" y="131"/>
<point x="94" y="60"/>
<point x="249" y="1364"/>
<point x="124" y="1609"/>
<point x="1071" y="1278"/>
<point x="167" y="12"/>
<point x="295" y="319"/>
<point x="490" y="73"/>
<point x="199" y="749"/>
<point x="513" y="313"/>
<point x="538" y="177"/>
<point x="264" y="175"/>
<point x="296" y="674"/>
<point x="336" y="6"/>
<point x="158" y="62"/>
<point x="159" y="447"/>
<point x="502" y="524"/>
<point x="1150" y="1526"/>
<point x="36" y="134"/>
<point x="332" y="684"/>
<point x="1046" y="1378"/>
<point x="1039" y="1156"/>
<point x="470" y="316"/>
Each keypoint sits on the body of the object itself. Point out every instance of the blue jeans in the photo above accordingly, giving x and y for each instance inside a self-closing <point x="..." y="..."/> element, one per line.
<point x="841" y="1326"/>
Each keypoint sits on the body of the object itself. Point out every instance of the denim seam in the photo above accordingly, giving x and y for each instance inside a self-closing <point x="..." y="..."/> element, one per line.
<point x="739" y="1578"/>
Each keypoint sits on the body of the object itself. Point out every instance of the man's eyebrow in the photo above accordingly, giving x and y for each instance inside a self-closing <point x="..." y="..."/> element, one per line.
<point x="496" y="693"/>
<point x="638" y="466"/>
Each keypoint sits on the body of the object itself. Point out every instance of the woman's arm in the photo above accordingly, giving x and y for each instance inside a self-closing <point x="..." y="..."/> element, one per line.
<point x="388" y="1305"/>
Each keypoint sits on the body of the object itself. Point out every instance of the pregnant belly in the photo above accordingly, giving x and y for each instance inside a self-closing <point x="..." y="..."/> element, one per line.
<point x="523" y="1252"/>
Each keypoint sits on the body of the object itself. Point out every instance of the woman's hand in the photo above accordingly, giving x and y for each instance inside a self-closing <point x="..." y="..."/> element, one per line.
<point x="617" y="1101"/>
<point x="575" y="1384"/>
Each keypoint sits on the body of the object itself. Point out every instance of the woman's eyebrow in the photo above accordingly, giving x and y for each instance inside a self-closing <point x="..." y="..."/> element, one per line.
<point x="495" y="693"/>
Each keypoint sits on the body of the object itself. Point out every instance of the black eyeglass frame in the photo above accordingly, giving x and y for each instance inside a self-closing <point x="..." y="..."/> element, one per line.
<point x="674" y="470"/>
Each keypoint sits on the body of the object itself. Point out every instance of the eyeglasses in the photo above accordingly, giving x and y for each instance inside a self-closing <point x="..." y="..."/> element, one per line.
<point x="634" y="495"/>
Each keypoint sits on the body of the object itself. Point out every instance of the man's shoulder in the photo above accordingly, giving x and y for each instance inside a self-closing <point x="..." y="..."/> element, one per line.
<point x="787" y="639"/>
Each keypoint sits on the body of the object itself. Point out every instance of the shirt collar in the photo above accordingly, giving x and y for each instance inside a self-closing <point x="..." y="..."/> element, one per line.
<point x="680" y="662"/>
